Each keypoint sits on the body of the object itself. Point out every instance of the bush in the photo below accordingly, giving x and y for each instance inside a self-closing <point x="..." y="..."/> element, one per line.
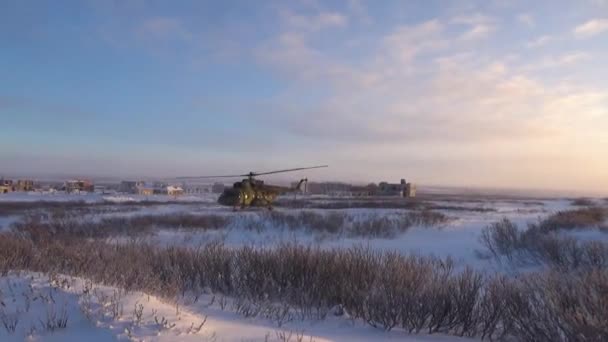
<point x="503" y="239"/>
<point x="583" y="202"/>
<point x="387" y="290"/>
<point x="560" y="307"/>
<point x="334" y="223"/>
<point x="572" y="219"/>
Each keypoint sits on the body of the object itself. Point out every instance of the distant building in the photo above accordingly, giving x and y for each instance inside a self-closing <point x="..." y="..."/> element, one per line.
<point x="143" y="188"/>
<point x="6" y="186"/>
<point x="327" y="188"/>
<point x="217" y="188"/>
<point x="103" y="189"/>
<point x="128" y="187"/>
<point x="195" y="190"/>
<point x="160" y="188"/>
<point x="24" y="185"/>
<point x="402" y="189"/>
<point x="145" y="191"/>
<point x="79" y="186"/>
<point x="410" y="190"/>
<point x="174" y="190"/>
<point x="363" y="191"/>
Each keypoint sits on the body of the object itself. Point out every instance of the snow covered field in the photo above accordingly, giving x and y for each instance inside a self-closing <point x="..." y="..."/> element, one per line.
<point x="33" y="305"/>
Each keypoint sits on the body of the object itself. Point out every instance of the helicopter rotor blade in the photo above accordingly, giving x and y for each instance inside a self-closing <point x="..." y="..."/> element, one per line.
<point x="288" y="170"/>
<point x="253" y="174"/>
<point x="203" y="177"/>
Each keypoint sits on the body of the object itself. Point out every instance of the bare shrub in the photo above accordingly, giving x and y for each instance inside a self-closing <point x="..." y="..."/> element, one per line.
<point x="138" y="313"/>
<point x="70" y="228"/>
<point x="492" y="312"/>
<point x="9" y="321"/>
<point x="582" y="202"/>
<point x="163" y="323"/>
<point x="560" y="307"/>
<point x="572" y="219"/>
<point x="387" y="290"/>
<point x="350" y="203"/>
<point x="54" y="319"/>
<point x="501" y="238"/>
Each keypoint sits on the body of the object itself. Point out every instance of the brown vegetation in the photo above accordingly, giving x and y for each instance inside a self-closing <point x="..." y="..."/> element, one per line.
<point x="79" y="207"/>
<point x="387" y="290"/>
<point x="582" y="202"/>
<point x="334" y="223"/>
<point x="542" y="242"/>
<point x="572" y="219"/>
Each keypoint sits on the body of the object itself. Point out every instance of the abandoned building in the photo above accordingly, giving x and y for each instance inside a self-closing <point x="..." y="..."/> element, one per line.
<point x="6" y="186"/>
<point x="128" y="187"/>
<point x="195" y="190"/>
<point x="174" y="190"/>
<point x="24" y="185"/>
<point x="401" y="189"/>
<point x="78" y="185"/>
<point x="143" y="188"/>
<point x="326" y="188"/>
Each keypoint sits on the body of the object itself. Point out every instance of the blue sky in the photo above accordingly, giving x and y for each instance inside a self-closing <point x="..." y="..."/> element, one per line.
<point x="477" y="93"/>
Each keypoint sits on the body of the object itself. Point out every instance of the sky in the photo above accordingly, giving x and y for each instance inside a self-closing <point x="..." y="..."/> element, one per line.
<point x="490" y="93"/>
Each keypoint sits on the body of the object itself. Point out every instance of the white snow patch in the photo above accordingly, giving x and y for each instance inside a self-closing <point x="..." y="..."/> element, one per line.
<point x="97" y="313"/>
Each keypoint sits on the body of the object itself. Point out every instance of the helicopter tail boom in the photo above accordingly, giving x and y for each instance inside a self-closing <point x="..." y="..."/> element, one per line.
<point x="300" y="186"/>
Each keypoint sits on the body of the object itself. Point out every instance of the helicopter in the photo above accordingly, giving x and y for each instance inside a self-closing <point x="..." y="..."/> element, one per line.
<point x="251" y="192"/>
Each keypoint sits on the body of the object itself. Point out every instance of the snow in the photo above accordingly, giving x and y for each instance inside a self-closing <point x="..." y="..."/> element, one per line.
<point x="91" y="197"/>
<point x="98" y="313"/>
<point x="458" y="239"/>
<point x="6" y="221"/>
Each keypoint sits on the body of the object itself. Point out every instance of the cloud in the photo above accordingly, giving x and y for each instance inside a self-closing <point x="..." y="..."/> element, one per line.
<point x="419" y="87"/>
<point x="591" y="28"/>
<point x="314" y="23"/>
<point x="406" y="42"/>
<point x="359" y="11"/>
<point x="600" y="3"/>
<point x="163" y="29"/>
<point x="480" y="26"/>
<point x="478" y="32"/>
<point x="541" y="41"/>
<point x="526" y="19"/>
<point x="563" y="60"/>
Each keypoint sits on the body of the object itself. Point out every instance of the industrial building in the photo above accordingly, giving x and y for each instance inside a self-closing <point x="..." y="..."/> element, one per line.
<point x="24" y="185"/>
<point x="78" y="185"/>
<point x="6" y="186"/>
<point x="401" y="189"/>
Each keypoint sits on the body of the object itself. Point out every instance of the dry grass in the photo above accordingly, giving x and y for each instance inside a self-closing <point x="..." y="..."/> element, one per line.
<point x="333" y="223"/>
<point x="67" y="208"/>
<point x="377" y="203"/>
<point x="572" y="219"/>
<point x="582" y="202"/>
<point x="542" y="243"/>
<point x="386" y="290"/>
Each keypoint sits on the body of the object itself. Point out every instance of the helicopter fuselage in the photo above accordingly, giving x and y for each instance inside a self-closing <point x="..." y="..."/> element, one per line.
<point x="254" y="193"/>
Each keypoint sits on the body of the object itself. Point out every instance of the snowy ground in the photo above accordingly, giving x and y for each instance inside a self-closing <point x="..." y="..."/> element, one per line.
<point x="107" y="314"/>
<point x="99" y="198"/>
<point x="36" y="307"/>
